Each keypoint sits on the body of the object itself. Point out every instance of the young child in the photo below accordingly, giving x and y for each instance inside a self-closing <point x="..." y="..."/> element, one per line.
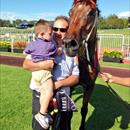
<point x="43" y="49"/>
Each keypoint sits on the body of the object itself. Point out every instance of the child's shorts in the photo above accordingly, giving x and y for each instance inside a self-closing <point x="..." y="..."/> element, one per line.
<point x="38" y="78"/>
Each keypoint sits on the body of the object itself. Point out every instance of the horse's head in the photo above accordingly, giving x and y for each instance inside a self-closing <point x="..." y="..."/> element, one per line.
<point x="83" y="17"/>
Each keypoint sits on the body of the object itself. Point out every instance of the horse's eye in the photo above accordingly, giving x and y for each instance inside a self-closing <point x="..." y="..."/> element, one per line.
<point x="92" y="13"/>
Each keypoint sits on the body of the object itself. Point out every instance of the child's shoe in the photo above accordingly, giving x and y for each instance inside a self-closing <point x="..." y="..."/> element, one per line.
<point x="44" y="120"/>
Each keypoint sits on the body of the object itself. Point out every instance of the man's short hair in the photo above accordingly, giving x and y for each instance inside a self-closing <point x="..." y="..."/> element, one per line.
<point x="62" y="18"/>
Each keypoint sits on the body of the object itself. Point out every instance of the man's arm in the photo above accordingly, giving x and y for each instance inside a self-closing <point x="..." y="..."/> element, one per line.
<point x="121" y="80"/>
<point x="70" y="81"/>
<point x="32" y="66"/>
<point x="107" y="77"/>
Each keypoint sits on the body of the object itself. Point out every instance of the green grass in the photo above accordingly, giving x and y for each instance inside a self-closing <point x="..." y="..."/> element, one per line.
<point x="15" y="30"/>
<point x="114" y="41"/>
<point x="12" y="54"/>
<point x="125" y="32"/>
<point x="112" y="64"/>
<point x="106" y="110"/>
<point x="15" y="99"/>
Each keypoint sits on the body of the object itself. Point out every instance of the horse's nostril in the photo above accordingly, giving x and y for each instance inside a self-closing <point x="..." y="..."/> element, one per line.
<point x="73" y="43"/>
<point x="70" y="43"/>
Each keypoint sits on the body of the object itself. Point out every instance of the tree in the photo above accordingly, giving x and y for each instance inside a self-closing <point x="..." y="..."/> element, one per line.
<point x="111" y="21"/>
<point x="5" y="23"/>
<point x="16" y="22"/>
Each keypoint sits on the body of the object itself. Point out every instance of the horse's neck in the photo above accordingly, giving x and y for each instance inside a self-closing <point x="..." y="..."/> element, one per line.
<point x="91" y="47"/>
<point x="82" y="53"/>
<point x="92" y="65"/>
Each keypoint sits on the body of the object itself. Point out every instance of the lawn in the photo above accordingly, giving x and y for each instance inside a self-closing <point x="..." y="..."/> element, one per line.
<point x="125" y="32"/>
<point x="12" y="54"/>
<point x="113" y="64"/>
<point x="108" y="109"/>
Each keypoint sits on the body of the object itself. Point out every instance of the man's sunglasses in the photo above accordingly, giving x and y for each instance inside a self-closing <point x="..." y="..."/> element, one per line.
<point x="61" y="29"/>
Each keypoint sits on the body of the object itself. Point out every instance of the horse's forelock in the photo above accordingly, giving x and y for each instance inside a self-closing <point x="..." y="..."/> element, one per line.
<point x="92" y="3"/>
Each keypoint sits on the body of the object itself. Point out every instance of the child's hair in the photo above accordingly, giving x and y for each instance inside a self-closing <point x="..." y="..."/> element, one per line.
<point x="41" y="26"/>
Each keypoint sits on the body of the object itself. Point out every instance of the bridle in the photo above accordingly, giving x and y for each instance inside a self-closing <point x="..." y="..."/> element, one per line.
<point x="94" y="25"/>
<point x="85" y="41"/>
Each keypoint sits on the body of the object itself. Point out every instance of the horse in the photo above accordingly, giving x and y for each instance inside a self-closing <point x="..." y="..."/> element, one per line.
<point x="81" y="40"/>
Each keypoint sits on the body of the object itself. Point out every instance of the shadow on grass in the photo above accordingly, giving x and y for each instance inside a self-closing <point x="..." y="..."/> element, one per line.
<point x="109" y="109"/>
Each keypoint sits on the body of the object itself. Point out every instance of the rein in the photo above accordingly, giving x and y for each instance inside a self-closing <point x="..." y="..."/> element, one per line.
<point x="85" y="43"/>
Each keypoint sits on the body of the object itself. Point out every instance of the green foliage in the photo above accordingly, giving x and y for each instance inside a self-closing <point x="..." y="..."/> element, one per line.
<point x="112" y="54"/>
<point x="112" y="22"/>
<point x="16" y="22"/>
<point x="5" y="23"/>
<point x="5" y="44"/>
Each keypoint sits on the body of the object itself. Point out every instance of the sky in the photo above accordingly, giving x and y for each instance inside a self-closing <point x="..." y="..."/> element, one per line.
<point x="49" y="9"/>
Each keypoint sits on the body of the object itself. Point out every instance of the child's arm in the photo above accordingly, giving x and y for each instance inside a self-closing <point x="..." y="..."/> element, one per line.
<point x="29" y="48"/>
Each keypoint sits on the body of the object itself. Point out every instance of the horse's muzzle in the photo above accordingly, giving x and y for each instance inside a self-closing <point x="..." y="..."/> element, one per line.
<point x="71" y="47"/>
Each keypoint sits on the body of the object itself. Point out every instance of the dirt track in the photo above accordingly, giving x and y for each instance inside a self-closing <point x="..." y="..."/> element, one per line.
<point x="121" y="72"/>
<point x="11" y="60"/>
<point x="18" y="61"/>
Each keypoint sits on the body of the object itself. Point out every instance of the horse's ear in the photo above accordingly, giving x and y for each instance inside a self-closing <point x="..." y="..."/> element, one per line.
<point x="94" y="1"/>
<point x="75" y="1"/>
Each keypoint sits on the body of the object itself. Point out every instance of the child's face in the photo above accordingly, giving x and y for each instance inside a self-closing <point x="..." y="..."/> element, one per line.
<point x="48" y="34"/>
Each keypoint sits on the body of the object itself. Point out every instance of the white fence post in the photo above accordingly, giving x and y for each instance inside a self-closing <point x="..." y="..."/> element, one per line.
<point x="123" y="42"/>
<point x="113" y="41"/>
<point x="12" y="44"/>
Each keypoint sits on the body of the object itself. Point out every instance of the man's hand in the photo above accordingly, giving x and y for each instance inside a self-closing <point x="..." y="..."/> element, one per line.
<point x="42" y="65"/>
<point x="58" y="84"/>
<point x="48" y="64"/>
<point x="69" y="81"/>
<point x="106" y="77"/>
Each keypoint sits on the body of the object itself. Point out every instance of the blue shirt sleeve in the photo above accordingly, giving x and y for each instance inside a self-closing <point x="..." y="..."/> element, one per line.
<point x="75" y="70"/>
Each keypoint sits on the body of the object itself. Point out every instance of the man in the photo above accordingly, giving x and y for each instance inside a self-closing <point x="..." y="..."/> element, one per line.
<point x="66" y="72"/>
